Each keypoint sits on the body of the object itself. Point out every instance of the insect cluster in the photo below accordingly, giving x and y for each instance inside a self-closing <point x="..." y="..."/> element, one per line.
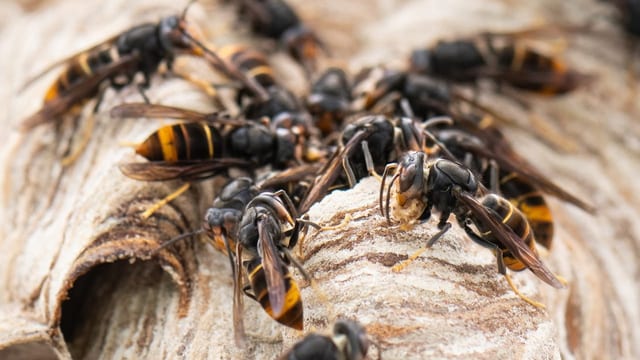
<point x="436" y="148"/>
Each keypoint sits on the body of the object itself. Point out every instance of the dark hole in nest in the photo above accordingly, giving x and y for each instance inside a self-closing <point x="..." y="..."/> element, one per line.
<point x="111" y="296"/>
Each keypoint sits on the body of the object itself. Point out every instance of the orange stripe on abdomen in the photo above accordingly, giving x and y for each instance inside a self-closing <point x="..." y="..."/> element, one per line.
<point x="159" y="145"/>
<point x="81" y="68"/>
<point x="292" y="311"/>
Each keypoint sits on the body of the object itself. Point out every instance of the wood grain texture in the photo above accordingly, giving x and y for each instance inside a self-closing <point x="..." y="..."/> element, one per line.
<point x="73" y="232"/>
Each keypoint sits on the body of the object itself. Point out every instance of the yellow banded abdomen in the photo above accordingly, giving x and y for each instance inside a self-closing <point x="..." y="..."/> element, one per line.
<point x="291" y="314"/>
<point x="80" y="69"/>
<point x="184" y="141"/>
<point x="532" y="204"/>
<point x="512" y="218"/>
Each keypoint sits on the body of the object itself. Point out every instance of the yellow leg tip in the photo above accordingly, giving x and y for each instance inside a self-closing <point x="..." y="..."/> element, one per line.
<point x="521" y="295"/>
<point x="347" y="219"/>
<point x="533" y="302"/>
<point x="376" y="176"/>
<point x="399" y="267"/>
<point x="71" y="158"/>
<point x="155" y="207"/>
<point x="151" y="210"/>
<point x="562" y="280"/>
<point x="86" y="136"/>
<point x="410" y="259"/>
